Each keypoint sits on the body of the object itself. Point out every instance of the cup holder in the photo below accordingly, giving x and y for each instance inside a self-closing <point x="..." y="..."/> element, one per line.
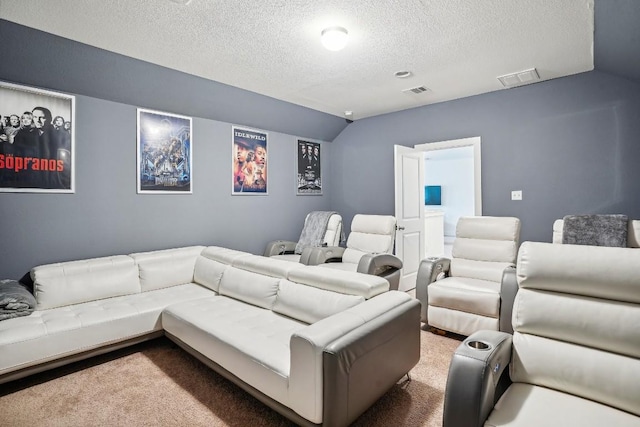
<point x="479" y="345"/>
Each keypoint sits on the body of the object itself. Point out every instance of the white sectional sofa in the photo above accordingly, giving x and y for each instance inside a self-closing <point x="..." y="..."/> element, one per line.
<point x="318" y="346"/>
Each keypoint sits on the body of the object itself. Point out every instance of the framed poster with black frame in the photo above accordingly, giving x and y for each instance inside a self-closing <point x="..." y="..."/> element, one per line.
<point x="37" y="140"/>
<point x="309" y="170"/>
<point x="164" y="153"/>
<point x="249" y="162"/>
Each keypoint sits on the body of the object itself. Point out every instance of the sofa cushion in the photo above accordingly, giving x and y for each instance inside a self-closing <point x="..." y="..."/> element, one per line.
<point x="248" y="341"/>
<point x="310" y="304"/>
<point x="345" y="282"/>
<point x="164" y="268"/>
<point x="464" y="294"/>
<point x="529" y="405"/>
<point x="484" y="247"/>
<point x="223" y="255"/>
<point x="208" y="272"/>
<point x="253" y="288"/>
<point x="269" y="266"/>
<point x="55" y="333"/>
<point x="600" y="272"/>
<point x="74" y="282"/>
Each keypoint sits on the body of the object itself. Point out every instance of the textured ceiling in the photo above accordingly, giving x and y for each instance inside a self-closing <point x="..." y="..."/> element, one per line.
<point x="456" y="48"/>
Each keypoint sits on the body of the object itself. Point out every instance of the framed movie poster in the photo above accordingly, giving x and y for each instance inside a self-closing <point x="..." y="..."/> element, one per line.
<point x="164" y="153"/>
<point x="249" y="162"/>
<point x="36" y="140"/>
<point x="309" y="171"/>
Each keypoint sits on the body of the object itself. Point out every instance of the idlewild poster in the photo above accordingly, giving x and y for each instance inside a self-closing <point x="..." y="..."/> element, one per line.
<point x="249" y="162"/>
<point x="36" y="140"/>
<point x="164" y="153"/>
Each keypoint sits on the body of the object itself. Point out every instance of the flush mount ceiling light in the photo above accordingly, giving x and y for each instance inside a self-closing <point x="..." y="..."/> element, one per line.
<point x="402" y="74"/>
<point x="185" y="2"/>
<point x="334" y="38"/>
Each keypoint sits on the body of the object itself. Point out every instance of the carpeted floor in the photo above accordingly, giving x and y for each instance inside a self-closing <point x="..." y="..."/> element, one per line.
<point x="158" y="384"/>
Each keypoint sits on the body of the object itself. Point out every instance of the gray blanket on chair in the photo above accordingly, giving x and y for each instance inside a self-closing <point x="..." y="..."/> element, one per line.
<point x="15" y="300"/>
<point x="315" y="227"/>
<point x="595" y="230"/>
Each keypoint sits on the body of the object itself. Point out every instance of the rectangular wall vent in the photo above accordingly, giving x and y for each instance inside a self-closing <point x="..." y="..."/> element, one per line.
<point x="416" y="90"/>
<point x="519" y="78"/>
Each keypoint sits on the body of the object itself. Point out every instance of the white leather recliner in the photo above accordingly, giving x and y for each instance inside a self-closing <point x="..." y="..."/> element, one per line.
<point x="574" y="356"/>
<point x="475" y="288"/>
<point x="286" y="249"/>
<point x="369" y="250"/>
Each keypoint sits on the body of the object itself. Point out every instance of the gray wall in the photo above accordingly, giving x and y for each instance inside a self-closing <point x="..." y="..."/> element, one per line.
<point x="572" y="145"/>
<point x="105" y="216"/>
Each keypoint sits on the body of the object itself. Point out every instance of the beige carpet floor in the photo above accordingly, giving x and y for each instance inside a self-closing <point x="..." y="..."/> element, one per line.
<point x="158" y="384"/>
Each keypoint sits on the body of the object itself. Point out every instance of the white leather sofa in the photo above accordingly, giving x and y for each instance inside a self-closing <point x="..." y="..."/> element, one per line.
<point x="313" y="344"/>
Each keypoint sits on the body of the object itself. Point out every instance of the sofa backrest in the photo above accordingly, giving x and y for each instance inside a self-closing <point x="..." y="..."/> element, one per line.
<point x="223" y="255"/>
<point x="303" y="302"/>
<point x="266" y="265"/>
<point x="344" y="282"/>
<point x="310" y="304"/>
<point x="164" y="268"/>
<point x="484" y="246"/>
<point x="633" y="233"/>
<point x="74" y="282"/>
<point x="575" y="321"/>
<point x="305" y="293"/>
<point x="254" y="288"/>
<point x="370" y="234"/>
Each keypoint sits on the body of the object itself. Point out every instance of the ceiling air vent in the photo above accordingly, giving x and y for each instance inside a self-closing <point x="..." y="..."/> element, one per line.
<point x="417" y="90"/>
<point x="519" y="78"/>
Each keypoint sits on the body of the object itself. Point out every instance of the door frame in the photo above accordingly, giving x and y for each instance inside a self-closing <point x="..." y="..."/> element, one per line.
<point x="476" y="143"/>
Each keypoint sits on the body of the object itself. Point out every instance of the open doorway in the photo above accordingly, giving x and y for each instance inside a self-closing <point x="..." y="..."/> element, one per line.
<point x="452" y="173"/>
<point x="416" y="234"/>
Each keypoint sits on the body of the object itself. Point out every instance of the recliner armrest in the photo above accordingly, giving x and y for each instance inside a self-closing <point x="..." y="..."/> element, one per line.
<point x="376" y="264"/>
<point x="508" y="291"/>
<point x="321" y="255"/>
<point x="428" y="272"/>
<point x="383" y="265"/>
<point x="280" y="247"/>
<point x="475" y="381"/>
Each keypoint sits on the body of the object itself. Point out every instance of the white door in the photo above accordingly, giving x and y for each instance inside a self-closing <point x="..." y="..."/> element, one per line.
<point x="409" y="212"/>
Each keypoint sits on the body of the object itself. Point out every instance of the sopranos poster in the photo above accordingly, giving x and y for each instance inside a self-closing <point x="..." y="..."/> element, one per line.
<point x="249" y="161"/>
<point x="36" y="140"/>
<point x="309" y="171"/>
<point x="164" y="153"/>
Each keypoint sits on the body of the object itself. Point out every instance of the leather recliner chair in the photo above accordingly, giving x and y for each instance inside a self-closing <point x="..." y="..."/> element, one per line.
<point x="369" y="250"/>
<point x="474" y="289"/>
<point x="286" y="249"/>
<point x="574" y="356"/>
